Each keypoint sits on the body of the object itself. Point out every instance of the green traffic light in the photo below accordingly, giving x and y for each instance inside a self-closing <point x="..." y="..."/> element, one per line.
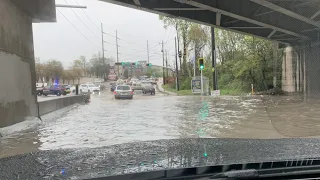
<point x="205" y="154"/>
<point x="201" y="67"/>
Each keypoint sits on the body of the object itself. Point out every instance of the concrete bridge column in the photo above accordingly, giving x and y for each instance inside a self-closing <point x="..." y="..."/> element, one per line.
<point x="301" y="70"/>
<point x="17" y="63"/>
<point x="287" y="70"/>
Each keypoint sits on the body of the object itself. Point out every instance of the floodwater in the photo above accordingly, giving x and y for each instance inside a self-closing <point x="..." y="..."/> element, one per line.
<point x="106" y="121"/>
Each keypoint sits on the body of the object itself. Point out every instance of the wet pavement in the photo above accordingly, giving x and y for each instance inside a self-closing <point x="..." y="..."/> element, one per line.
<point x="106" y="121"/>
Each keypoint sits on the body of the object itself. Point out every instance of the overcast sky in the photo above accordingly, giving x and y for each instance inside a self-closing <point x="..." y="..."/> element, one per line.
<point x="65" y="43"/>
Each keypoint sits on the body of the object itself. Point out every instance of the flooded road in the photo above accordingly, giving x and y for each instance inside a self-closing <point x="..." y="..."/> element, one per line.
<point x="106" y="121"/>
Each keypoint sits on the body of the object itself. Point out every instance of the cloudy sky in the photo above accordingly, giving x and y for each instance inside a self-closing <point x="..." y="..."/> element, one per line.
<point x="66" y="42"/>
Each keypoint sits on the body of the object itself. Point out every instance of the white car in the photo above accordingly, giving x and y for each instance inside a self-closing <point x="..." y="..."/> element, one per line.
<point x="89" y="88"/>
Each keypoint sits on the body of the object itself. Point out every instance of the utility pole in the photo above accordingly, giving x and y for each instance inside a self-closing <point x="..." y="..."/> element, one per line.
<point x="213" y="50"/>
<point x="164" y="81"/>
<point x="177" y="72"/>
<point x="104" y="64"/>
<point x="148" y="50"/>
<point x="117" y="52"/>
<point x="167" y="64"/>
<point x="148" y="55"/>
<point x="195" y="59"/>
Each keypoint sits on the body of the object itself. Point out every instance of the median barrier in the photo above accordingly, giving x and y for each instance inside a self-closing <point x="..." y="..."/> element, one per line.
<point x="51" y="105"/>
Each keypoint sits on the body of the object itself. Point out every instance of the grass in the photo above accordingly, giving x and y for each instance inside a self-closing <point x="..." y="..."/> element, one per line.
<point x="231" y="92"/>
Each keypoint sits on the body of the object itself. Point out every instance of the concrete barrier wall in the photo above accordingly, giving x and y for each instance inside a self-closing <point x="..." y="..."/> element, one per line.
<point x="46" y="107"/>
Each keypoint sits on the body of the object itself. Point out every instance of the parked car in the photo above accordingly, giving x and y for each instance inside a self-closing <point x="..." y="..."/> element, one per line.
<point x="123" y="92"/>
<point x="39" y="91"/>
<point x="68" y="88"/>
<point x="54" y="90"/>
<point x="148" y="88"/>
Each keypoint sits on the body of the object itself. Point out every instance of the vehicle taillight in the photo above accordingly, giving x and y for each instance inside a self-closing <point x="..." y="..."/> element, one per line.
<point x="114" y="92"/>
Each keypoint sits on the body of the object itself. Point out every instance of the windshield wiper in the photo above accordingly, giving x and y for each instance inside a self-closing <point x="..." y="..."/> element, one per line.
<point x="297" y="169"/>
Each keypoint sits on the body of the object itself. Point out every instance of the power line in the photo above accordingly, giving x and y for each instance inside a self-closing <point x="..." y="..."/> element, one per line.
<point x="88" y="16"/>
<point x="81" y="20"/>
<point x="76" y="27"/>
<point x="145" y="51"/>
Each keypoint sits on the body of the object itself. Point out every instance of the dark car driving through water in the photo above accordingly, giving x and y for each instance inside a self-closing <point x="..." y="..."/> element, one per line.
<point x="148" y="88"/>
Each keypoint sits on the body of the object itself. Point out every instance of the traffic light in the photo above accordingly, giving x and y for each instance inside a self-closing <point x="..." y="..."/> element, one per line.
<point x="148" y="64"/>
<point x="134" y="64"/>
<point x="201" y="63"/>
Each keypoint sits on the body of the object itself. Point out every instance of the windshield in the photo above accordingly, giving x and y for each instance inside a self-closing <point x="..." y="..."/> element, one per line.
<point x="156" y="85"/>
<point x="123" y="87"/>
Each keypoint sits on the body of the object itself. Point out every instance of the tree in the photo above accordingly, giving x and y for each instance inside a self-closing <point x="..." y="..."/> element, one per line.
<point x="181" y="27"/>
<point x="83" y="65"/>
<point x="77" y="69"/>
<point x="199" y="36"/>
<point x="53" y="69"/>
<point x="40" y="71"/>
<point x="98" y="67"/>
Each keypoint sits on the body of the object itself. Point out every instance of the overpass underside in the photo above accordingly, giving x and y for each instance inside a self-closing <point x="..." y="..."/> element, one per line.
<point x="17" y="64"/>
<point x="294" y="24"/>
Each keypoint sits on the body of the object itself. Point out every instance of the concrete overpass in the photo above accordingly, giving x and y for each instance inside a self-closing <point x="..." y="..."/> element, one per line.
<point x="292" y="23"/>
<point x="17" y="69"/>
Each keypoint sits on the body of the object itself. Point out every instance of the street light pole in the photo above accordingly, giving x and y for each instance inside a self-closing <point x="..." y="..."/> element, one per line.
<point x="71" y="6"/>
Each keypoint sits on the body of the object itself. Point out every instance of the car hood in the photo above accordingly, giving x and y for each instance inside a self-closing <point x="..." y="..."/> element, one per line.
<point x="153" y="155"/>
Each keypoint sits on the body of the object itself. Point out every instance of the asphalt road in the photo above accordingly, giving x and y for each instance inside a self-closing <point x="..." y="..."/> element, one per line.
<point x="106" y="121"/>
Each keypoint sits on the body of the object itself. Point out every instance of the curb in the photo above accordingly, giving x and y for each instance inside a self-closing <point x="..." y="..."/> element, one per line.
<point x="165" y="92"/>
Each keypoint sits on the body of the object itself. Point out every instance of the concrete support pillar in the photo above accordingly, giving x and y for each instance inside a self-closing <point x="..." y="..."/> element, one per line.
<point x="17" y="63"/>
<point x="288" y="84"/>
<point x="275" y="63"/>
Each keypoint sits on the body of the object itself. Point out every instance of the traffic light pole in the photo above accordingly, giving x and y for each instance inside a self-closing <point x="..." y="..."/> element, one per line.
<point x="201" y="83"/>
